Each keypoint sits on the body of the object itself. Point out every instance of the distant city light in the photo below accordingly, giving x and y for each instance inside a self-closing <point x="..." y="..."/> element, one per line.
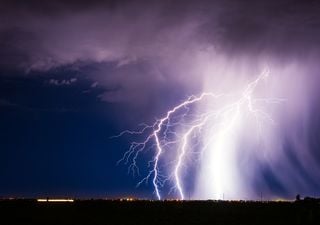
<point x="54" y="200"/>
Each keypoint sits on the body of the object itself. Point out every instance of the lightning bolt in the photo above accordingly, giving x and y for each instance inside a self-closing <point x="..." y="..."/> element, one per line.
<point x="164" y="132"/>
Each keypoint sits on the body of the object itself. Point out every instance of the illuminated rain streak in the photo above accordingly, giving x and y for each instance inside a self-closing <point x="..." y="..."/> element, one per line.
<point x="221" y="121"/>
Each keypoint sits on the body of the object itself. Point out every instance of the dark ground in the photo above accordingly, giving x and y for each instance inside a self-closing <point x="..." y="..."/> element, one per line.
<point x="154" y="212"/>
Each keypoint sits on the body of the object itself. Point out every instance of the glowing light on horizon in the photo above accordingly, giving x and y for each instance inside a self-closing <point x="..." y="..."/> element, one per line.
<point x="55" y="200"/>
<point x="182" y="123"/>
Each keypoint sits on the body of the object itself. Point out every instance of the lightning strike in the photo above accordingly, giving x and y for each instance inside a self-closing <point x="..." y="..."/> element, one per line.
<point x="174" y="135"/>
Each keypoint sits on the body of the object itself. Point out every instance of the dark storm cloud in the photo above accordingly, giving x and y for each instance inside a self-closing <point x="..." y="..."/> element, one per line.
<point x="40" y="35"/>
<point x="136" y="48"/>
<point x="289" y="27"/>
<point x="45" y="7"/>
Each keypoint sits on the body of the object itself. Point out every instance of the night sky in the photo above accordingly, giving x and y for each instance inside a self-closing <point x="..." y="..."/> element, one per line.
<point x="75" y="73"/>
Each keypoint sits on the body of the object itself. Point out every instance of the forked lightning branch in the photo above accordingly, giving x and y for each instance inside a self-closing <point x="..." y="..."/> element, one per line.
<point x="178" y="134"/>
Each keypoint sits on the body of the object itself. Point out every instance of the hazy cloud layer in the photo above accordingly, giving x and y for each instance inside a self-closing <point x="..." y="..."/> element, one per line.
<point x="165" y="38"/>
<point x="41" y="36"/>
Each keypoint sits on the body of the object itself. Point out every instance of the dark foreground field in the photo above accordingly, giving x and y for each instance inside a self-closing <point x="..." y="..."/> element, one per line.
<point x="147" y="212"/>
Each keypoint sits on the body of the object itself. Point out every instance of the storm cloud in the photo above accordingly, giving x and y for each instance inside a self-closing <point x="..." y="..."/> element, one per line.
<point x="40" y="36"/>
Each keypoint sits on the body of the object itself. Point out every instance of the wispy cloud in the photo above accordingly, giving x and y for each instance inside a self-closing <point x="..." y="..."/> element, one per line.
<point x="62" y="82"/>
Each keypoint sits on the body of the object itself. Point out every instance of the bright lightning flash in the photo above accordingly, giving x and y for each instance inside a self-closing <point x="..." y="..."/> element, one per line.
<point x="182" y="125"/>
